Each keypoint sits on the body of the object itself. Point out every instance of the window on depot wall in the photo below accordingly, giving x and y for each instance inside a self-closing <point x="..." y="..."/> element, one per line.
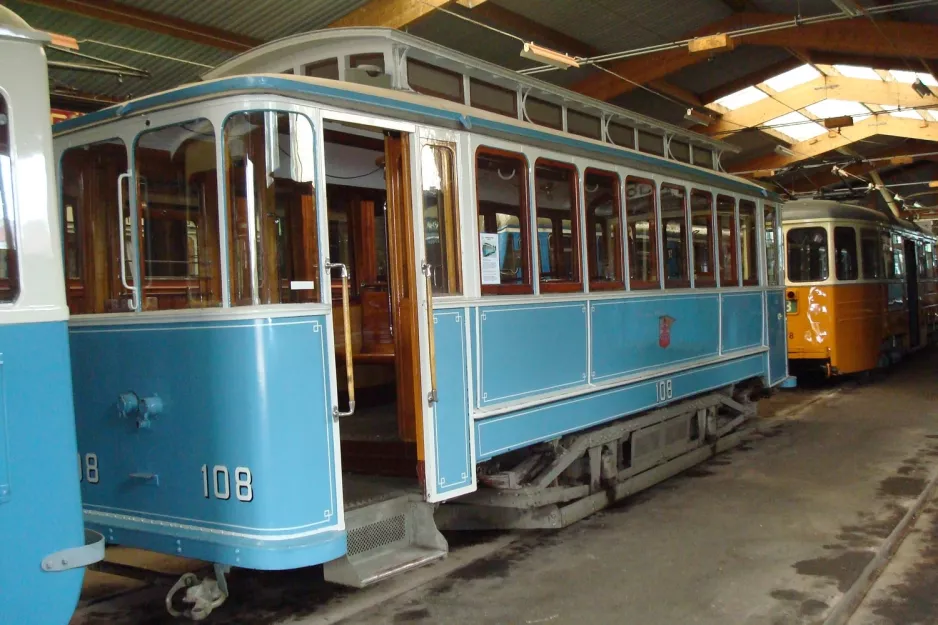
<point x="503" y="219"/>
<point x="558" y="232"/>
<point x="674" y="235"/>
<point x="642" y="221"/>
<point x="603" y="230"/>
<point x="701" y="229"/>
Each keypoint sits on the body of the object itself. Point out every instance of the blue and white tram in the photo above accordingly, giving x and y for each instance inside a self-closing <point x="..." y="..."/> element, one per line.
<point x="43" y="543"/>
<point x="297" y="297"/>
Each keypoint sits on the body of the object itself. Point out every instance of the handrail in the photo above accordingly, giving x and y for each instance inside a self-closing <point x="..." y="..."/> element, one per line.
<point x="349" y="365"/>
<point x="122" y="242"/>
<point x="427" y="269"/>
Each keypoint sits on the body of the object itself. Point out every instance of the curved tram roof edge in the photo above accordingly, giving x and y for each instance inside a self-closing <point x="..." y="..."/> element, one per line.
<point x="448" y="112"/>
<point x="805" y="210"/>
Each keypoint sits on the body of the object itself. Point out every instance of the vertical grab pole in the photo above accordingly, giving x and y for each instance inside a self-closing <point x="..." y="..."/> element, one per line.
<point x="122" y="242"/>
<point x="431" y="336"/>
<point x="347" y="324"/>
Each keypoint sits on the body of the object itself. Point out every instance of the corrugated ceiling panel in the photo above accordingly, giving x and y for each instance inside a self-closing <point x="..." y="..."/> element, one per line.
<point x="727" y="67"/>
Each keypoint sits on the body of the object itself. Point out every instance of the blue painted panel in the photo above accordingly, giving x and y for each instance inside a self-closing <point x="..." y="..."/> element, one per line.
<point x="497" y="435"/>
<point x="778" y="342"/>
<point x="41" y="511"/>
<point x="742" y="320"/>
<point x="531" y="349"/>
<point x="639" y="334"/>
<point x="238" y="395"/>
<point x="451" y="420"/>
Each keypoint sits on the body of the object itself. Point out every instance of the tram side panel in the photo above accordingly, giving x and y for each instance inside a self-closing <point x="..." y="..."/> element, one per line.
<point x="40" y="508"/>
<point x="213" y="440"/>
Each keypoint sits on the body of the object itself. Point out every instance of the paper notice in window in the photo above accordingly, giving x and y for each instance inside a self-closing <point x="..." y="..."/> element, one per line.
<point x="488" y="249"/>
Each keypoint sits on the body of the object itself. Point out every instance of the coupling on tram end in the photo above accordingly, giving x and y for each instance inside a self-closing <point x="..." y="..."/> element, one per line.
<point x="861" y="289"/>
<point x="45" y="547"/>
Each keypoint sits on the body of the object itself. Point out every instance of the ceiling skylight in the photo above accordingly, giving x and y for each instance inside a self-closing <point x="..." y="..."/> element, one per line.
<point x="907" y="113"/>
<point x="838" y="108"/>
<point x="793" y="78"/>
<point x="933" y="114"/>
<point x="907" y="77"/>
<point x="852" y="71"/>
<point x="742" y="98"/>
<point x="796" y="126"/>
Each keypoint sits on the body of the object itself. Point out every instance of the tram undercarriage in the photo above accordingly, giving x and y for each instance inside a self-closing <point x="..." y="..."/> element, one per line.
<point x="558" y="483"/>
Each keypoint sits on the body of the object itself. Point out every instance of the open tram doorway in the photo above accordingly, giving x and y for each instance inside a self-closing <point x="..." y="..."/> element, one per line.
<point x="371" y="232"/>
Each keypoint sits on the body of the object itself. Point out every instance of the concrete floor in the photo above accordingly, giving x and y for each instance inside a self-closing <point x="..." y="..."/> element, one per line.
<point x="771" y="533"/>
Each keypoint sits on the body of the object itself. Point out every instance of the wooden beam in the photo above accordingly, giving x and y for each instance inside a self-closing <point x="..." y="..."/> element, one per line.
<point x="821" y="88"/>
<point x="882" y="124"/>
<point x="824" y="177"/>
<point x="125" y="15"/>
<point x="397" y="13"/>
<point x="859" y="36"/>
<point x="820" y="57"/>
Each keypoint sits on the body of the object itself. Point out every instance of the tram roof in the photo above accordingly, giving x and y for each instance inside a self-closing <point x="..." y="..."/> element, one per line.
<point x="12" y="26"/>
<point x="293" y="52"/>
<point x="408" y="105"/>
<point x="799" y="210"/>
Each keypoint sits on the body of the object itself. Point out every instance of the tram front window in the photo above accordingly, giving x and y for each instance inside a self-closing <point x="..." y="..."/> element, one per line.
<point x="807" y="254"/>
<point x="273" y="248"/>
<point x="9" y="283"/>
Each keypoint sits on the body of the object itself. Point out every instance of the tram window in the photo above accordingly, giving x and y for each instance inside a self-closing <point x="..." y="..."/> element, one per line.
<point x="328" y="68"/>
<point x="770" y="227"/>
<point x="726" y="231"/>
<point x="558" y="231"/>
<point x="642" y="222"/>
<point x="441" y="233"/>
<point x="680" y="151"/>
<point x="493" y="98"/>
<point x="621" y="135"/>
<point x="807" y="254"/>
<point x="703" y="157"/>
<point x="435" y="81"/>
<point x="273" y="247"/>
<point x="502" y="191"/>
<point x="845" y="253"/>
<point x="650" y="143"/>
<point x="603" y="230"/>
<point x="920" y="253"/>
<point x="177" y="195"/>
<point x="9" y="273"/>
<point x="898" y="257"/>
<point x="870" y="255"/>
<point x="749" y="242"/>
<point x="674" y="235"/>
<point x="89" y="179"/>
<point x="584" y="125"/>
<point x="929" y="259"/>
<point x="544" y="113"/>
<point x="701" y="227"/>
<point x="369" y="60"/>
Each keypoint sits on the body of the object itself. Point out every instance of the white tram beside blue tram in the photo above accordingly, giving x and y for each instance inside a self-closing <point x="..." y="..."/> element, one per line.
<point x="308" y="304"/>
<point x="44" y="546"/>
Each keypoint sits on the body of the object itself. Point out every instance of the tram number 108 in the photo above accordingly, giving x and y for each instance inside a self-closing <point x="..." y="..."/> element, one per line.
<point x="218" y="481"/>
<point x="663" y="390"/>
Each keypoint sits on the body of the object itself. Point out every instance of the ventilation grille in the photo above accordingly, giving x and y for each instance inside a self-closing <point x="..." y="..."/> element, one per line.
<point x="378" y="534"/>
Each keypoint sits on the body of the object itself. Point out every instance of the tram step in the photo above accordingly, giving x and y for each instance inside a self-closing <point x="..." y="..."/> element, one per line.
<point x="385" y="539"/>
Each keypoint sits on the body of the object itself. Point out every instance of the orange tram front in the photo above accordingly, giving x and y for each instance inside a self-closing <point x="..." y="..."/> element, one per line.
<point x="860" y="287"/>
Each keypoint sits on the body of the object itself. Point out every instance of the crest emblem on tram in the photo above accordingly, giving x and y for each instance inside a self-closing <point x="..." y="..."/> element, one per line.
<point x="664" y="330"/>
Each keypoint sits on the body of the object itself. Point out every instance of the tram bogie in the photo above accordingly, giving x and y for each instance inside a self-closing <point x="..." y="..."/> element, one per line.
<point x="335" y="302"/>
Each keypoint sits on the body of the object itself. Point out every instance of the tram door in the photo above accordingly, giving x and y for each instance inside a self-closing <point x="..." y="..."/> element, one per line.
<point x="911" y="276"/>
